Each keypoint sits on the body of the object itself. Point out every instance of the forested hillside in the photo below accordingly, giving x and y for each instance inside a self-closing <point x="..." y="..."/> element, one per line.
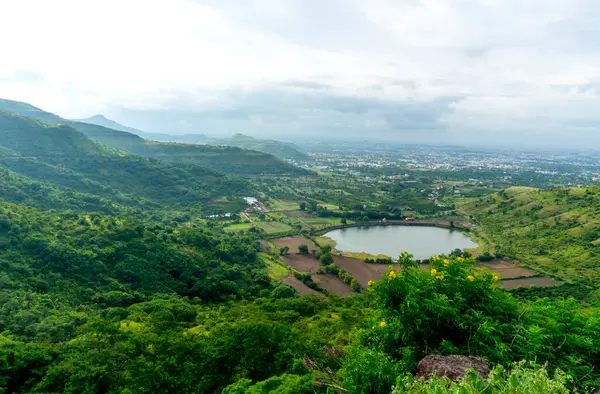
<point x="61" y="156"/>
<point x="557" y="231"/>
<point x="279" y="149"/>
<point x="224" y="159"/>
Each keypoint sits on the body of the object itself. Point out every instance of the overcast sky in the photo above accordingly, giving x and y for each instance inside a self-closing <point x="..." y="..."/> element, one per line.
<point x="496" y="71"/>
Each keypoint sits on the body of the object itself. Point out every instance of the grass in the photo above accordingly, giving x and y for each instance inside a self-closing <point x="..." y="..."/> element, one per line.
<point x="273" y="227"/>
<point x="281" y="205"/>
<point x="275" y="269"/>
<point x="238" y="227"/>
<point x="552" y="231"/>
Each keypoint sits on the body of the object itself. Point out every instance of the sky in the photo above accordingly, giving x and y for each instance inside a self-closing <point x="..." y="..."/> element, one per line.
<point x="497" y="72"/>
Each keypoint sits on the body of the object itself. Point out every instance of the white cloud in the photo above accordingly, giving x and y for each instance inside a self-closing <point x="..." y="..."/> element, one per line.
<point x="511" y="65"/>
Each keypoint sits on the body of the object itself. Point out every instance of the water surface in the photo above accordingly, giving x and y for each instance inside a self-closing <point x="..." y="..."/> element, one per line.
<point x="420" y="241"/>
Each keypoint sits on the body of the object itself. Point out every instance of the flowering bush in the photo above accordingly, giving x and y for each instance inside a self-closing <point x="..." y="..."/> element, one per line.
<point x="454" y="306"/>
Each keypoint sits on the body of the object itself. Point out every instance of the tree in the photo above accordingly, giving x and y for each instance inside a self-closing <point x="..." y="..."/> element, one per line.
<point x="326" y="258"/>
<point x="344" y="221"/>
<point x="284" y="250"/>
<point x="303" y="249"/>
<point x="303" y="206"/>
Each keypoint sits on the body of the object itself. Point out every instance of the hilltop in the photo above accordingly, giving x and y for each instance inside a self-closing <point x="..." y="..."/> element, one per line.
<point x="61" y="156"/>
<point x="228" y="160"/>
<point x="282" y="150"/>
<point x="557" y="231"/>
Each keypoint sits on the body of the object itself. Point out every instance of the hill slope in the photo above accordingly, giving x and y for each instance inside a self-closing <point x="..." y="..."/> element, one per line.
<point x="233" y="161"/>
<point x="278" y="149"/>
<point x="557" y="231"/>
<point x="62" y="156"/>
<point x="101" y="120"/>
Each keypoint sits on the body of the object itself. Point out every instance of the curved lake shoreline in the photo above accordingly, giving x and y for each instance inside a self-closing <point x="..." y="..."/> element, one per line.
<point x="421" y="240"/>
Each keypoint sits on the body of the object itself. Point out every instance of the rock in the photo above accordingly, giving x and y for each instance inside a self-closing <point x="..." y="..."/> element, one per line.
<point x="454" y="367"/>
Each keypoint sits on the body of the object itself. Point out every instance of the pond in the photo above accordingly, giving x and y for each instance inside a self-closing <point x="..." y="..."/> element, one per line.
<point x="420" y="241"/>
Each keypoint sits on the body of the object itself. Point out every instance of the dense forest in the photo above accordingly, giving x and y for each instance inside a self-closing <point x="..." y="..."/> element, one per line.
<point x="110" y="282"/>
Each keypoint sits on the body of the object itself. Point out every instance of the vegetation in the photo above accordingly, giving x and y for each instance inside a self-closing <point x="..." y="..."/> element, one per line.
<point x="111" y="281"/>
<point x="224" y="159"/>
<point x="555" y="231"/>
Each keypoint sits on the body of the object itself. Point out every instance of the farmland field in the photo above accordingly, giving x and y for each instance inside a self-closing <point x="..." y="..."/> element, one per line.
<point x="333" y="284"/>
<point x="273" y="227"/>
<point x="293" y="242"/>
<point x="529" y="282"/>
<point x="507" y="269"/>
<point x="300" y="287"/>
<point x="301" y="263"/>
<point x="238" y="227"/>
<point x="362" y="271"/>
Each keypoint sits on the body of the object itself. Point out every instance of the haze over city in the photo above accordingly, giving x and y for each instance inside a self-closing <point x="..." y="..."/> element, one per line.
<point x="464" y="72"/>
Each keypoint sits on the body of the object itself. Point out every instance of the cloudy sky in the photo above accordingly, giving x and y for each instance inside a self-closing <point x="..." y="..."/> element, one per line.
<point x="461" y="71"/>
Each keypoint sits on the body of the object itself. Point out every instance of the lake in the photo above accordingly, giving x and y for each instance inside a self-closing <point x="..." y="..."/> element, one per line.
<point x="420" y="241"/>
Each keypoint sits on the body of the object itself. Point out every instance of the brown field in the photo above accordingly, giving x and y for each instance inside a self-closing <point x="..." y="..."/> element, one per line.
<point x="264" y="246"/>
<point x="362" y="271"/>
<point x="507" y="269"/>
<point x="333" y="284"/>
<point x="301" y="263"/>
<point x="293" y="243"/>
<point x="300" y="287"/>
<point x="295" y="214"/>
<point x="528" y="282"/>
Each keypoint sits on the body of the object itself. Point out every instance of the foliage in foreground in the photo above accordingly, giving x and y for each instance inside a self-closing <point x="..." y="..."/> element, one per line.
<point x="522" y="378"/>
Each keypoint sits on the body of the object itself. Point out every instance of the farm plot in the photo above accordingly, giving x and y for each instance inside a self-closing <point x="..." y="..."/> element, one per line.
<point x="300" y="287"/>
<point x="333" y="284"/>
<point x="273" y="227"/>
<point x="293" y="242"/>
<point x="301" y="263"/>
<point x="529" y="282"/>
<point x="507" y="269"/>
<point x="362" y="271"/>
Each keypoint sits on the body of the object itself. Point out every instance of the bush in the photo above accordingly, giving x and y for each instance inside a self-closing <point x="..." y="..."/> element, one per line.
<point x="522" y="378"/>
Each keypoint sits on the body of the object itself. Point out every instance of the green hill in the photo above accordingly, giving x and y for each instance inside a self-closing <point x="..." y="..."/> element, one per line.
<point x="64" y="157"/>
<point x="227" y="160"/>
<point x="282" y="150"/>
<point x="557" y="231"/>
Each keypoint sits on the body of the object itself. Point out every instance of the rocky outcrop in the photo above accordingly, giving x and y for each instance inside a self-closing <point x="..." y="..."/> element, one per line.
<point x="454" y="367"/>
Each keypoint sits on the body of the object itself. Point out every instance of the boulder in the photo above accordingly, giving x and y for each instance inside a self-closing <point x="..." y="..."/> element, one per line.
<point x="454" y="367"/>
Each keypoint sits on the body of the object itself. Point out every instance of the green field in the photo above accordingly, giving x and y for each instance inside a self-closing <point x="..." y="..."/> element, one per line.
<point x="275" y="269"/>
<point x="281" y="205"/>
<point x="273" y="227"/>
<point x="238" y="227"/>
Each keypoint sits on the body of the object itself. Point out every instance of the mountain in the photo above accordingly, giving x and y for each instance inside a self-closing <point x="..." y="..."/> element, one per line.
<point x="101" y="120"/>
<point x="224" y="159"/>
<point x="276" y="148"/>
<point x="555" y="231"/>
<point x="63" y="157"/>
<point x="282" y="150"/>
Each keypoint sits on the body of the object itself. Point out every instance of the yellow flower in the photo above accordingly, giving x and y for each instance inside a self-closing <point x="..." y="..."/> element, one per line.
<point x="446" y="262"/>
<point x="435" y="258"/>
<point x="495" y="277"/>
<point x="440" y="277"/>
<point x="370" y="283"/>
<point x="392" y="274"/>
<point x="382" y="324"/>
<point x="373" y="326"/>
<point x="460" y="259"/>
<point x="433" y="272"/>
<point x="471" y="278"/>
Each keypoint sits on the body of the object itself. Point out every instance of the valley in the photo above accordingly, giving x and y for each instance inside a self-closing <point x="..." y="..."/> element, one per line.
<point x="129" y="264"/>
